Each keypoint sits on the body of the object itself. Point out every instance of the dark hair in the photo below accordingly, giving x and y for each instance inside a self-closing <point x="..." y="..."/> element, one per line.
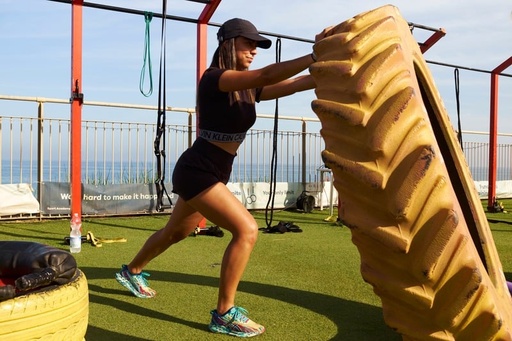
<point x="224" y="57"/>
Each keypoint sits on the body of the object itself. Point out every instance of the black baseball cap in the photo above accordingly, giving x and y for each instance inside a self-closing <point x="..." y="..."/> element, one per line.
<point x="242" y="28"/>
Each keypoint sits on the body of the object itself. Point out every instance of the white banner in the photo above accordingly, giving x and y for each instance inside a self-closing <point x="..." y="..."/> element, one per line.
<point x="255" y="195"/>
<point x="131" y="198"/>
<point x="17" y="199"/>
<point x="503" y="189"/>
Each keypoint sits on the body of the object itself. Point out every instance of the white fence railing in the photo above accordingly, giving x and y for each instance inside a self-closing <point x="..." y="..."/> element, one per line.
<point x="34" y="148"/>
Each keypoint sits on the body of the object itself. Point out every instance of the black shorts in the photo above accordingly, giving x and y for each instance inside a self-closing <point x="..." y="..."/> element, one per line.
<point x="200" y="167"/>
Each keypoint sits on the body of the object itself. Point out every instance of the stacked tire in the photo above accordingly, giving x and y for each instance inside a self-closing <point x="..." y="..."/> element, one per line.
<point x="58" y="312"/>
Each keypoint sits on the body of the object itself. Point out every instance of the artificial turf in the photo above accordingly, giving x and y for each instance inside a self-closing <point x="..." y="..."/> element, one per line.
<point x="301" y="286"/>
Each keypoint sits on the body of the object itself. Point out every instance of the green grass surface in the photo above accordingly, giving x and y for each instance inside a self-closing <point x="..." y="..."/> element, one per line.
<point x="301" y="286"/>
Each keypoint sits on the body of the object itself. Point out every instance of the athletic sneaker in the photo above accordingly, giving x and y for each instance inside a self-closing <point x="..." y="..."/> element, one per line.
<point x="235" y="322"/>
<point x="137" y="284"/>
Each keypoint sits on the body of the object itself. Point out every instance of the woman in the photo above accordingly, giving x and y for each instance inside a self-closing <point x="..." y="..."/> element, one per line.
<point x="226" y="98"/>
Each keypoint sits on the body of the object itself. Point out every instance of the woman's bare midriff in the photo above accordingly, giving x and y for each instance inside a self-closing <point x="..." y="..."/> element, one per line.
<point x="230" y="147"/>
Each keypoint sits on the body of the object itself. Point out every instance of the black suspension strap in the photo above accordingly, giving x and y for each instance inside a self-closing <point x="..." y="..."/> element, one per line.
<point x="273" y="162"/>
<point x="159" y="144"/>
<point x="457" y="95"/>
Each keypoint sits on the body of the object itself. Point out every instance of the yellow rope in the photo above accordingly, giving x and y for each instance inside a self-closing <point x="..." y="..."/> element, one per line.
<point x="98" y="242"/>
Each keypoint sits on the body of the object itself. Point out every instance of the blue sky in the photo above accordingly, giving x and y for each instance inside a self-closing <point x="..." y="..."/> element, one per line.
<point x="35" y="44"/>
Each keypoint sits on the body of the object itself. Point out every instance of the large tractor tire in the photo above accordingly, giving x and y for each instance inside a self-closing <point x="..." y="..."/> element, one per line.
<point x="56" y="313"/>
<point x="405" y="189"/>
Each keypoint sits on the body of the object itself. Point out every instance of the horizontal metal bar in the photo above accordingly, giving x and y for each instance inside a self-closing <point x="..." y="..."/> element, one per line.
<point x="423" y="27"/>
<point x="172" y="17"/>
<point x="127" y="10"/>
<point x="206" y="2"/>
<point x="138" y="106"/>
<point x="467" y="68"/>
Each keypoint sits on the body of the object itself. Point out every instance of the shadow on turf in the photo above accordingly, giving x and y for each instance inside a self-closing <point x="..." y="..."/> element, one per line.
<point x="133" y="308"/>
<point x="106" y="223"/>
<point x="25" y="234"/>
<point x="296" y="216"/>
<point x="94" y="333"/>
<point x="350" y="317"/>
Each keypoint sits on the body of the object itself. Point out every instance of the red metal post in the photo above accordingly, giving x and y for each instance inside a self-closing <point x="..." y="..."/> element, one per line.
<point x="493" y="133"/>
<point x="202" y="53"/>
<point x="76" y="108"/>
<point x="434" y="38"/>
<point x="202" y="36"/>
<point x="202" y="50"/>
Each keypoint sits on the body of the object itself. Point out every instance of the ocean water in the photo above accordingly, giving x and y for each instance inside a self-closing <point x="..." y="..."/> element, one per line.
<point x="102" y="173"/>
<point x="99" y="172"/>
<point x="132" y="172"/>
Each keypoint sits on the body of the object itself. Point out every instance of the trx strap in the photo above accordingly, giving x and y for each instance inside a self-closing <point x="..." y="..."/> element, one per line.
<point x="457" y="93"/>
<point x="160" y="124"/>
<point x="98" y="241"/>
<point x="147" y="58"/>
<point x="273" y="162"/>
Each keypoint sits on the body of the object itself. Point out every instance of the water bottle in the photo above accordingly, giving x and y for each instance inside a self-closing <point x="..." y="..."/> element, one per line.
<point x="75" y="235"/>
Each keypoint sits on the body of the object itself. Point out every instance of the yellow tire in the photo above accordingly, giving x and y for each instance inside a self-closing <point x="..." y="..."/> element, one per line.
<point x="405" y="189"/>
<point x="58" y="313"/>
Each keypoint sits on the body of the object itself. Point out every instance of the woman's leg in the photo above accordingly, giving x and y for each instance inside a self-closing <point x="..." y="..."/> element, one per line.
<point x="222" y="208"/>
<point x="182" y="222"/>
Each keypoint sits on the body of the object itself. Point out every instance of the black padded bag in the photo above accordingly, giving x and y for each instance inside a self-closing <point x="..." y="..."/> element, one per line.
<point x="35" y="265"/>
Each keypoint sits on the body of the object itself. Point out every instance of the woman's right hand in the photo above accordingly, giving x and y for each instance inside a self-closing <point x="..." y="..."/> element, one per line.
<point x="325" y="33"/>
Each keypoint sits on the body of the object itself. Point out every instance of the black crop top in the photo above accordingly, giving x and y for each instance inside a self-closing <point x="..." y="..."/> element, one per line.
<point x="218" y="120"/>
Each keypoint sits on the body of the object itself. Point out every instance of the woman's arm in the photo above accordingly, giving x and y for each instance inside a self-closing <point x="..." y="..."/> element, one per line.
<point x="287" y="87"/>
<point x="232" y="80"/>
